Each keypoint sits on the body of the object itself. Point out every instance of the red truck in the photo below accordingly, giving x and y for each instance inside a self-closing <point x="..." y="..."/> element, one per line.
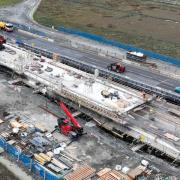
<point x="116" y="67"/>
<point x="2" y="41"/>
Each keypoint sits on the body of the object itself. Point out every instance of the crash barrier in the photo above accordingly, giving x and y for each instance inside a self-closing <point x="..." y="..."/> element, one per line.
<point x="127" y="47"/>
<point x="119" y="78"/>
<point x="33" y="166"/>
<point x="103" y="40"/>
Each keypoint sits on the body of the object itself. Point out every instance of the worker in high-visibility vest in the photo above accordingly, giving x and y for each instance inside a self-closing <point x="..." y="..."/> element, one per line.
<point x="142" y="138"/>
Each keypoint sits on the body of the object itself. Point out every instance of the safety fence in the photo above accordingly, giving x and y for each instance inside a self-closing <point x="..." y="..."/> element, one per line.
<point x="103" y="40"/>
<point x="33" y="166"/>
<point x="127" y="47"/>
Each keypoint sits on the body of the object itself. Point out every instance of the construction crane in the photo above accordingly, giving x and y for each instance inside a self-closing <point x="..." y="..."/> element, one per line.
<point x="69" y="126"/>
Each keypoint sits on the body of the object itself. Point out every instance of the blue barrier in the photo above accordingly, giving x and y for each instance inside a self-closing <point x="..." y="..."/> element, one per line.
<point x="127" y="47"/>
<point x="25" y="160"/>
<point x="29" y="163"/>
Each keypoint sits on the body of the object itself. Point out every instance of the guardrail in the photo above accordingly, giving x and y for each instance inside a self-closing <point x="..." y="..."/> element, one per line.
<point x="117" y="44"/>
<point x="103" y="40"/>
<point x="119" y="78"/>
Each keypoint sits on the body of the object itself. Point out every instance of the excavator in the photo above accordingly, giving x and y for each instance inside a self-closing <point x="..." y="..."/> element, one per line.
<point x="69" y="127"/>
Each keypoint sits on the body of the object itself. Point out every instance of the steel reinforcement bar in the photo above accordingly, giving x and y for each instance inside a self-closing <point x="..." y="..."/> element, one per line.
<point x="87" y="67"/>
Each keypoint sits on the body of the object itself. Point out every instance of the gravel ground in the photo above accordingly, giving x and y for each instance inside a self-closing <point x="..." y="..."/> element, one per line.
<point x="9" y="170"/>
<point x="97" y="147"/>
<point x="6" y="174"/>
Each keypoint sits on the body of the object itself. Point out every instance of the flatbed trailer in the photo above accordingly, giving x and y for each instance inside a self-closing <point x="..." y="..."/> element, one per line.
<point x="136" y="56"/>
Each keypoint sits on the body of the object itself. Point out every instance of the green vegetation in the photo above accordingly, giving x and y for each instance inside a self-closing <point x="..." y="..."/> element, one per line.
<point x="137" y="22"/>
<point x="9" y="2"/>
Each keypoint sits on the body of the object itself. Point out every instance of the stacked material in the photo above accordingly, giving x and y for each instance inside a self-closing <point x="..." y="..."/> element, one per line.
<point x="82" y="173"/>
<point x="112" y="175"/>
<point x="40" y="159"/>
<point x="59" y="164"/>
<point x="137" y="171"/>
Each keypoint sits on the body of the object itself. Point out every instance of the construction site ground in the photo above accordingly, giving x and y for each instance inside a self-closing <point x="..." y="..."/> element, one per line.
<point x="147" y="24"/>
<point x="96" y="148"/>
<point x="5" y="174"/>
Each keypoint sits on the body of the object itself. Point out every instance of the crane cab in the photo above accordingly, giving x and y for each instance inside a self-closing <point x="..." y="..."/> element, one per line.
<point x="64" y="126"/>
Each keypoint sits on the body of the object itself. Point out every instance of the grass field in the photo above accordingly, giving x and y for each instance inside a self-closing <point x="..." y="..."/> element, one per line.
<point x="9" y="2"/>
<point x="145" y="24"/>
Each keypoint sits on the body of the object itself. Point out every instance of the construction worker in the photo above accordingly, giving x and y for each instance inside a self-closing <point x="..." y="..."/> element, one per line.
<point x="144" y="95"/>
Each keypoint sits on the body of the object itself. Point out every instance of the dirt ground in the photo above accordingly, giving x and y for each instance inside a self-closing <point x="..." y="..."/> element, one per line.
<point x="145" y="24"/>
<point x="5" y="174"/>
<point x="96" y="148"/>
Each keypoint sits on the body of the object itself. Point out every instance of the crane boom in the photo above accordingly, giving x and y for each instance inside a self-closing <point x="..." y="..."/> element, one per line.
<point x="68" y="114"/>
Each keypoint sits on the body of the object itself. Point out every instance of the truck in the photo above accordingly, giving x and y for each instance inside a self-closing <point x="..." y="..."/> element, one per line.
<point x="2" y="41"/>
<point x="177" y="89"/>
<point x="6" y="26"/>
<point x="116" y="67"/>
<point x="136" y="56"/>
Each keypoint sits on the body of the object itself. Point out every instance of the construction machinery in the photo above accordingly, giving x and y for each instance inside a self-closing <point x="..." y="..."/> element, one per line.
<point x="6" y="26"/>
<point x="69" y="127"/>
<point x="136" y="56"/>
<point x="177" y="89"/>
<point x="116" y="67"/>
<point x="2" y="41"/>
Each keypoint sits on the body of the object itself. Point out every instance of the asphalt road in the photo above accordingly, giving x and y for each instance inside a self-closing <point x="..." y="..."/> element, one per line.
<point x="133" y="72"/>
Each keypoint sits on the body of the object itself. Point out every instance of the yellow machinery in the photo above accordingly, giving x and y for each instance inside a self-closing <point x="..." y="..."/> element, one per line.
<point x="2" y="25"/>
<point x="6" y="26"/>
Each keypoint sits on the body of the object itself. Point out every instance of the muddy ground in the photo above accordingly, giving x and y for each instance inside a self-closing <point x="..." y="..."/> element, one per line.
<point x="5" y="174"/>
<point x="150" y="25"/>
<point x="96" y="148"/>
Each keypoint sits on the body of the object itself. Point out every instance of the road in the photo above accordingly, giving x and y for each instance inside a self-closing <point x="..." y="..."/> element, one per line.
<point x="133" y="72"/>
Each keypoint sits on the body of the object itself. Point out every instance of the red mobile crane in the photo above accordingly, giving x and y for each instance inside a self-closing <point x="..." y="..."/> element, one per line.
<point x="69" y="126"/>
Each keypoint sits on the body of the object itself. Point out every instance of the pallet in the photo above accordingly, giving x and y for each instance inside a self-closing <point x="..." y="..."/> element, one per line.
<point x="82" y="173"/>
<point x="114" y="175"/>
